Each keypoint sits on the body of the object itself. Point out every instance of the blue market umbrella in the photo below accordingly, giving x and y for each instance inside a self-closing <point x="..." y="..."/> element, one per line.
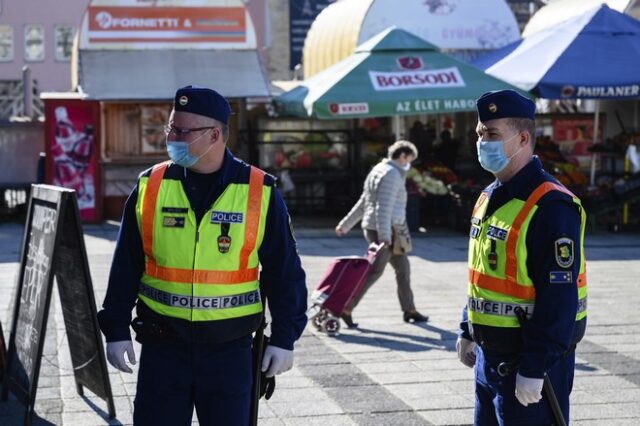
<point x="595" y="55"/>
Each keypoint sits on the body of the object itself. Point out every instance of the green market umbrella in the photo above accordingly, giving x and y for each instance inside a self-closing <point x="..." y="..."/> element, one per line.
<point x="393" y="73"/>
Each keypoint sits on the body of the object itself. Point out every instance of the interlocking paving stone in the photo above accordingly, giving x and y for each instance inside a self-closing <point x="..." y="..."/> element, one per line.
<point x="387" y="372"/>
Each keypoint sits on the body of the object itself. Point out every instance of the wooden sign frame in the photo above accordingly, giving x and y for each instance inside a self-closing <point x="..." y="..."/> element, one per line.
<point x="53" y="245"/>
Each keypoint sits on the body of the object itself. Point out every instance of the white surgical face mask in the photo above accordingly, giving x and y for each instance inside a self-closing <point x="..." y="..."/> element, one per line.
<point x="406" y="167"/>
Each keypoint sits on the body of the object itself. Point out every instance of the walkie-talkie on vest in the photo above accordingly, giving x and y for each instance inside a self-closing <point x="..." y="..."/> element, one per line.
<point x="493" y="256"/>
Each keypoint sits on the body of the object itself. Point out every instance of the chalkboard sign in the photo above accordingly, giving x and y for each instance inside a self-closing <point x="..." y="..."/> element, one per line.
<point x="53" y="246"/>
<point x="3" y="353"/>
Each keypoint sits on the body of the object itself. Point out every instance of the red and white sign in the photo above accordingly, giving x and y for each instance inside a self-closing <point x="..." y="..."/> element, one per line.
<point x="426" y="79"/>
<point x="349" y="108"/>
<point x="174" y="24"/>
<point x="574" y="136"/>
<point x="185" y="24"/>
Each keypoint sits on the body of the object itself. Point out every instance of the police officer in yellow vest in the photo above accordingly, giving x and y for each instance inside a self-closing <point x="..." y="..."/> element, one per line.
<point x="525" y="252"/>
<point x="204" y="237"/>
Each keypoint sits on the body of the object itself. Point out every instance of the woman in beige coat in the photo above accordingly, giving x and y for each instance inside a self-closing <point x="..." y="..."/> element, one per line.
<point x="381" y="205"/>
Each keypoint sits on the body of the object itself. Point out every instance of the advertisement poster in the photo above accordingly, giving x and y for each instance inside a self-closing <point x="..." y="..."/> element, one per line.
<point x="189" y="24"/>
<point x="72" y="135"/>
<point x="575" y="136"/>
<point x="181" y="24"/>
<point x="302" y="13"/>
<point x="154" y="118"/>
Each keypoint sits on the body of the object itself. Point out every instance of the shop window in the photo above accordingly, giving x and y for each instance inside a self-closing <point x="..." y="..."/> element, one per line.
<point x="63" y="38"/>
<point x="6" y="43"/>
<point x="312" y="161"/>
<point x="153" y="119"/>
<point x="34" y="43"/>
<point x="135" y="130"/>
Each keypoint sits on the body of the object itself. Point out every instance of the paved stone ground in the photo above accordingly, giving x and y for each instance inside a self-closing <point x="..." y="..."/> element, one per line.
<point x="387" y="372"/>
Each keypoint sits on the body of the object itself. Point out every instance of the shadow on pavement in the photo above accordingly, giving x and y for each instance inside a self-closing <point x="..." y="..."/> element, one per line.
<point x="12" y="413"/>
<point x="106" y="231"/>
<point x="101" y="412"/>
<point x="400" y="341"/>
<point x="585" y="367"/>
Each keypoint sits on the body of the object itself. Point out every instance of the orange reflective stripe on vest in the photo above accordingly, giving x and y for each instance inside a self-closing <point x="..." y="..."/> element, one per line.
<point x="253" y="215"/>
<point x="149" y="206"/>
<point x="501" y="286"/>
<point x="511" y="266"/>
<point x="187" y="276"/>
<point x="242" y="275"/>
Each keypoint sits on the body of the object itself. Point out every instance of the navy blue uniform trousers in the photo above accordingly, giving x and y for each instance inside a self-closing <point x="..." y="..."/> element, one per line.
<point x="175" y="376"/>
<point x="496" y="402"/>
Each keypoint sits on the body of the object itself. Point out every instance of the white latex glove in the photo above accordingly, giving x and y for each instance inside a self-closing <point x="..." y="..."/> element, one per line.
<point x="115" y="354"/>
<point x="466" y="351"/>
<point x="276" y="360"/>
<point x="528" y="390"/>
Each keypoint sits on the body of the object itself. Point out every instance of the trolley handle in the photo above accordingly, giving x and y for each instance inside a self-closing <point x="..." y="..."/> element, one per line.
<point x="373" y="250"/>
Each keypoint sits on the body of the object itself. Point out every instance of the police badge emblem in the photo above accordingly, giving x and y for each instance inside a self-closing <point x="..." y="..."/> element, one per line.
<point x="224" y="243"/>
<point x="564" y="252"/>
<point x="224" y="240"/>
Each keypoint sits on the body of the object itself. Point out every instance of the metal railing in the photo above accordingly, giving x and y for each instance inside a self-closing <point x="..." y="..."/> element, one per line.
<point x="19" y="98"/>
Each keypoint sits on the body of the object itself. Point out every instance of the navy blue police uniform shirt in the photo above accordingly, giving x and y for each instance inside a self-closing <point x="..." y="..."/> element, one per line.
<point x="548" y="335"/>
<point x="282" y="279"/>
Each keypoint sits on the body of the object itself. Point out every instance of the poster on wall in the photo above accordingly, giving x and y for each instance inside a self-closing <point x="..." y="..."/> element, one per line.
<point x="574" y="136"/>
<point x="72" y="136"/>
<point x="153" y="120"/>
<point x="302" y="13"/>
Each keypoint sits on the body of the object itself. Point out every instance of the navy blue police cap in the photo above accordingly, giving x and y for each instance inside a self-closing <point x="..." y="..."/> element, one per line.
<point x="202" y="101"/>
<point x="504" y="104"/>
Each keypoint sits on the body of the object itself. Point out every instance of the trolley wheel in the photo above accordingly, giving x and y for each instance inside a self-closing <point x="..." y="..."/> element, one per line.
<point x="331" y="326"/>
<point x="317" y="322"/>
<point x="319" y="318"/>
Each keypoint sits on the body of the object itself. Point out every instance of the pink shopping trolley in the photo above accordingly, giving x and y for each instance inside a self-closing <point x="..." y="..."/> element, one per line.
<point x="341" y="283"/>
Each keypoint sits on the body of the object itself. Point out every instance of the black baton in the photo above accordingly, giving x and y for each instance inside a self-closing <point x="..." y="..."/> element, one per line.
<point x="258" y="349"/>
<point x="506" y="368"/>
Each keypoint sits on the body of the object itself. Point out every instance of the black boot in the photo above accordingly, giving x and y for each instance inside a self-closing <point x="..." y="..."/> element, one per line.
<point x="348" y="320"/>
<point x="415" y="316"/>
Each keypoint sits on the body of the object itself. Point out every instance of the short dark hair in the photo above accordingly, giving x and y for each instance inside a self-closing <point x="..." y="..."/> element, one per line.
<point x="524" y="125"/>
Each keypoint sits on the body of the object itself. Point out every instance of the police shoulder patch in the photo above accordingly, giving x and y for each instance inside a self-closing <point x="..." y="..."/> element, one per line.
<point x="564" y="252"/>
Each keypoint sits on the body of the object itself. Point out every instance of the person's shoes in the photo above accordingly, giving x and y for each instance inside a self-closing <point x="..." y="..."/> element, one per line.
<point x="415" y="316"/>
<point x="349" y="321"/>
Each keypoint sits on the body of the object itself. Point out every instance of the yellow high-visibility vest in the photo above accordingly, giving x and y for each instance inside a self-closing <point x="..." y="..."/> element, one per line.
<point x="498" y="277"/>
<point x="204" y="272"/>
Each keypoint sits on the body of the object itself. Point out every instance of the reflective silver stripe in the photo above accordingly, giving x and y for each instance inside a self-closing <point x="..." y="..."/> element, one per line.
<point x="582" y="305"/>
<point x="195" y="302"/>
<point x="498" y="308"/>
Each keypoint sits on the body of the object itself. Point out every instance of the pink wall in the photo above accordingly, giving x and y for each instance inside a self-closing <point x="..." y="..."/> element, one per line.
<point x="52" y="75"/>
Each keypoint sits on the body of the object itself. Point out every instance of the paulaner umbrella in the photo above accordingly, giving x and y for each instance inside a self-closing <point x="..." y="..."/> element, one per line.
<point x="595" y="55"/>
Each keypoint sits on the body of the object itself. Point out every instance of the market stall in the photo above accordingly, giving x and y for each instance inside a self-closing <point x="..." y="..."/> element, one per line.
<point x="594" y="56"/>
<point x="394" y="75"/>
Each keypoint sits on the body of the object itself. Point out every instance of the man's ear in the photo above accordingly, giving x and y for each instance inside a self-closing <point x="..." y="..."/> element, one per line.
<point x="213" y="133"/>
